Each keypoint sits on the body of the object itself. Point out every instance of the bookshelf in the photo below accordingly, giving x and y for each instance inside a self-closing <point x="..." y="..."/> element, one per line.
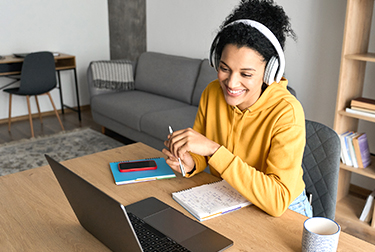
<point x="354" y="58"/>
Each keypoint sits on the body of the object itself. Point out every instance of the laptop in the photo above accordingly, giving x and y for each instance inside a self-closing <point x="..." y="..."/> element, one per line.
<point x="120" y="227"/>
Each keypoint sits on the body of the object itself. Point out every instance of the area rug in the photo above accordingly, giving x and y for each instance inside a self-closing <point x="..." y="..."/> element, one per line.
<point x="29" y="153"/>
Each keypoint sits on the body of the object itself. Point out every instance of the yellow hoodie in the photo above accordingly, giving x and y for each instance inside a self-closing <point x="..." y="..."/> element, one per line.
<point x="261" y="147"/>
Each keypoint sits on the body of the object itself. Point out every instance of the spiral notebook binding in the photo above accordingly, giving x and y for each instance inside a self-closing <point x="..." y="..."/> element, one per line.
<point x="191" y="188"/>
<point x="126" y="161"/>
<point x="214" y="182"/>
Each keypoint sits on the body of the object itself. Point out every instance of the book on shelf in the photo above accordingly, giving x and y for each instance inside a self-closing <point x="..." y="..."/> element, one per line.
<point x="362" y="110"/>
<point x="345" y="153"/>
<point x="368" y="209"/>
<point x="163" y="171"/>
<point x="359" y="112"/>
<point x="351" y="149"/>
<point x="362" y="102"/>
<point x="362" y="150"/>
<point x="210" y="200"/>
<point x="355" y="149"/>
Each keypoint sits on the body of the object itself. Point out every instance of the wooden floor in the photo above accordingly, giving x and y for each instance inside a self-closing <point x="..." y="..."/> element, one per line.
<point x="21" y="129"/>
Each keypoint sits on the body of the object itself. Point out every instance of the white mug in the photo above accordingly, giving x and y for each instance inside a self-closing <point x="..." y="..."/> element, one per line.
<point x="320" y="234"/>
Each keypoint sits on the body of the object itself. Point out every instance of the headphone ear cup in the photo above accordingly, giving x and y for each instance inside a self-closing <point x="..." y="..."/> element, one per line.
<point x="214" y="60"/>
<point x="270" y="71"/>
<point x="217" y="63"/>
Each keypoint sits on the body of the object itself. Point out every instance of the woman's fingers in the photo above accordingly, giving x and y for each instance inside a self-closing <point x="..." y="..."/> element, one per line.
<point x="172" y="161"/>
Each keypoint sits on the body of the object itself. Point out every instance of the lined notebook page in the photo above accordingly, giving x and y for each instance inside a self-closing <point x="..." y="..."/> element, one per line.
<point x="210" y="200"/>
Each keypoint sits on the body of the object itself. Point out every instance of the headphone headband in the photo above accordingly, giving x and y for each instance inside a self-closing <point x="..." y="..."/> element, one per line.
<point x="269" y="35"/>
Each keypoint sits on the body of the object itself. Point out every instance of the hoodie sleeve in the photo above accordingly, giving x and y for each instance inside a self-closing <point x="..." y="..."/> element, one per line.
<point x="279" y="183"/>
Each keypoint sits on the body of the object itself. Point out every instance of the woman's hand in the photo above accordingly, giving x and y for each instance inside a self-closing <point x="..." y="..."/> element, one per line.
<point x="181" y="142"/>
<point x="187" y="161"/>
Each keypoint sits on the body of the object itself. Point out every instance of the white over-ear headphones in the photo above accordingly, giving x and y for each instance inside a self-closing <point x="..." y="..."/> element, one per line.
<point x="275" y="66"/>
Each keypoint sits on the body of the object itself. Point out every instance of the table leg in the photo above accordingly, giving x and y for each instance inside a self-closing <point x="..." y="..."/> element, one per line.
<point x="61" y="96"/>
<point x="78" y="105"/>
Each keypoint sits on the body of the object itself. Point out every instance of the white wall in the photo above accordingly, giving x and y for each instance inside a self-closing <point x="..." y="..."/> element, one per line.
<point x="78" y="28"/>
<point x="188" y="27"/>
<point x="312" y="63"/>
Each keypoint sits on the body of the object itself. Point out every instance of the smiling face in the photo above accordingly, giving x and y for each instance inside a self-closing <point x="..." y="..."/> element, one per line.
<point x="240" y="75"/>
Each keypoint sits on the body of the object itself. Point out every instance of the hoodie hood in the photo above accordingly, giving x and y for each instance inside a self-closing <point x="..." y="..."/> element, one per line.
<point x="273" y="94"/>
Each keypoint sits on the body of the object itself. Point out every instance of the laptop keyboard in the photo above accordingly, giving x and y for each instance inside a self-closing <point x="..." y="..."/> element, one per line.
<point x="151" y="239"/>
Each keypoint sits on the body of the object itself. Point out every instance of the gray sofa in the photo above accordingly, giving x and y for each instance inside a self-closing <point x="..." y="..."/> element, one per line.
<point x="166" y="92"/>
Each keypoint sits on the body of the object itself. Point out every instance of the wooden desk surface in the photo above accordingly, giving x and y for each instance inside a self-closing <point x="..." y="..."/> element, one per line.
<point x="13" y="59"/>
<point x="35" y="215"/>
<point x="62" y="62"/>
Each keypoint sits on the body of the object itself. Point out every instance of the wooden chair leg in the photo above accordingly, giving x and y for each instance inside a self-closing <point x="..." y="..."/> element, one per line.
<point x="37" y="105"/>
<point x="10" y="112"/>
<point x="54" y="108"/>
<point x="30" y="117"/>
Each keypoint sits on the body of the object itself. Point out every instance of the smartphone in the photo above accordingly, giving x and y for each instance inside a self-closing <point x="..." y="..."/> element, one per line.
<point x="137" y="166"/>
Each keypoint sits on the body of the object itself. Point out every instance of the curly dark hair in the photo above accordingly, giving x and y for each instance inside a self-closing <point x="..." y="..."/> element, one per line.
<point x="265" y="12"/>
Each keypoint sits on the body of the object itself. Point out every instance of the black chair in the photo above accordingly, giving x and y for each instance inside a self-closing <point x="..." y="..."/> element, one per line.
<point x="321" y="164"/>
<point x="38" y="77"/>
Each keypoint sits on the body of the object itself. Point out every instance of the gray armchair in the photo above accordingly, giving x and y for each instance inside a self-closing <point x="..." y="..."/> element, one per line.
<point x="321" y="161"/>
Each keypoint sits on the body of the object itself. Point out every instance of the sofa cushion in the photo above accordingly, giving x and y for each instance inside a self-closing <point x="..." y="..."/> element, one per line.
<point x="156" y="124"/>
<point x="116" y="106"/>
<point x="167" y="75"/>
<point x="206" y="75"/>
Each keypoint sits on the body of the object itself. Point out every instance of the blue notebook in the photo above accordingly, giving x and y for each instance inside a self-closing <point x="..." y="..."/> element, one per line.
<point x="163" y="171"/>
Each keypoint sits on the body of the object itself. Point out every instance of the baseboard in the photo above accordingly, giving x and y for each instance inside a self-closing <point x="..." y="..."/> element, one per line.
<point x="47" y="113"/>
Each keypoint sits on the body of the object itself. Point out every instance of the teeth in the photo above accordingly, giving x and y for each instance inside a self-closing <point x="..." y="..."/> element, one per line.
<point x="234" y="92"/>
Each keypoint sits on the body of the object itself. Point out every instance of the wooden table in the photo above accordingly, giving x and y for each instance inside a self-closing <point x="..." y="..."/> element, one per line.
<point x="11" y="65"/>
<point x="35" y="215"/>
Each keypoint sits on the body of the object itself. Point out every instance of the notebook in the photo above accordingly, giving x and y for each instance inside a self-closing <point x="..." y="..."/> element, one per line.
<point x="110" y="222"/>
<point x="163" y="171"/>
<point x="210" y="200"/>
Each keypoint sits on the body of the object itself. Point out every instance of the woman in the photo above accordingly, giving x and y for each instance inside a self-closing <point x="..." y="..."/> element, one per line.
<point x="249" y="129"/>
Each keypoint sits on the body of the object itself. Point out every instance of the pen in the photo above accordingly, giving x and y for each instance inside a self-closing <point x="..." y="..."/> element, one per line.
<point x="179" y="159"/>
